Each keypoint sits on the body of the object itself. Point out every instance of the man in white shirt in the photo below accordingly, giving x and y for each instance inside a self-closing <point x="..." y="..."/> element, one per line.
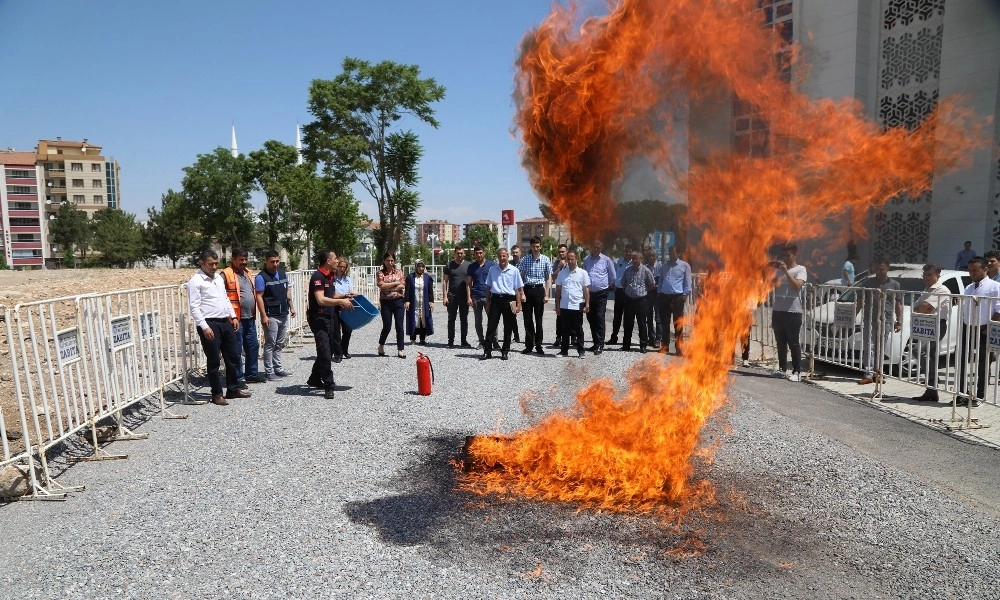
<point x="572" y="301"/>
<point x="786" y="314"/>
<point x="503" y="299"/>
<point x="216" y="320"/>
<point x="976" y="319"/>
<point x="934" y="300"/>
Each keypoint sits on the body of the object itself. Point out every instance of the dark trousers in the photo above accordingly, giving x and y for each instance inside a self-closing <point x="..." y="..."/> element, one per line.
<point x="534" y="310"/>
<point x="392" y="310"/>
<point x="745" y="343"/>
<point x="635" y="310"/>
<point x="968" y="345"/>
<point x="786" y="336"/>
<point x="616" y="320"/>
<point x="572" y="327"/>
<point x="479" y="306"/>
<point x="249" y="349"/>
<point x="933" y="355"/>
<point x="672" y="311"/>
<point x="652" y="319"/>
<point x="500" y="307"/>
<point x="226" y="343"/>
<point x="322" y="329"/>
<point x="458" y="307"/>
<point x="343" y="335"/>
<point x="596" y="316"/>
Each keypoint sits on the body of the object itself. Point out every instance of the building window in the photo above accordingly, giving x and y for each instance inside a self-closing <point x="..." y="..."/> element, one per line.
<point x="20" y="174"/>
<point x="26" y="237"/>
<point x="95" y="167"/>
<point x="20" y="189"/>
<point x="97" y="183"/>
<point x="98" y="199"/>
<point x="23" y="222"/>
<point x="76" y="166"/>
<point x="79" y="199"/>
<point x="26" y="253"/>
<point x="77" y="183"/>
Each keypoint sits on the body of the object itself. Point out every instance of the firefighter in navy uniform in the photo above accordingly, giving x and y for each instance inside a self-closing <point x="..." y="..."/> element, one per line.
<point x="323" y="320"/>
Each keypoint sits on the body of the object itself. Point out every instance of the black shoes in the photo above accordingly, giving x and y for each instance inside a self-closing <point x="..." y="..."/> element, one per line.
<point x="329" y="393"/>
<point x="527" y="350"/>
<point x="927" y="396"/>
<point x="315" y="383"/>
<point x="593" y="348"/>
<point x="598" y="351"/>
<point x="626" y="347"/>
<point x="538" y="349"/>
<point x="965" y="402"/>
<point x="466" y="344"/>
<point x="613" y="340"/>
<point x="237" y="393"/>
<point x="503" y="356"/>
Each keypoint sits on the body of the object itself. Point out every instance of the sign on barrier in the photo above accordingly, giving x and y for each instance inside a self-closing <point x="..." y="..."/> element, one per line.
<point x="844" y="314"/>
<point x="993" y="340"/>
<point x="149" y="327"/>
<point x="68" y="344"/>
<point x="121" y="332"/>
<point x="924" y="327"/>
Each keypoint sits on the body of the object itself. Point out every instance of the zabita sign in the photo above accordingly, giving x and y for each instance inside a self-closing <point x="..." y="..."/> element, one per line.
<point x="121" y="332"/>
<point x="68" y="346"/>
<point x="924" y="327"/>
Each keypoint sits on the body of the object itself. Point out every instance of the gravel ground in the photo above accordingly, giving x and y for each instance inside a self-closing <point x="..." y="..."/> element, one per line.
<point x="288" y="495"/>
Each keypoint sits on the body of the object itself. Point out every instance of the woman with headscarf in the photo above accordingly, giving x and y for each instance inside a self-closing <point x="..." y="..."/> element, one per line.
<point x="419" y="302"/>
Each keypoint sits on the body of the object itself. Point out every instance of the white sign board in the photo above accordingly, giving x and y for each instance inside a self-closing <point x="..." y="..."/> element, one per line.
<point x="924" y="327"/>
<point x="121" y="332"/>
<point x="993" y="341"/>
<point x="149" y="325"/>
<point x="844" y="315"/>
<point x="68" y="345"/>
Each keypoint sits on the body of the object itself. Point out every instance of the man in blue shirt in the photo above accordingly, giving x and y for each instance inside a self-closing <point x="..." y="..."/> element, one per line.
<point x="602" y="276"/>
<point x="503" y="299"/>
<point x="673" y="291"/>
<point x="475" y="280"/>
<point x="536" y="271"/>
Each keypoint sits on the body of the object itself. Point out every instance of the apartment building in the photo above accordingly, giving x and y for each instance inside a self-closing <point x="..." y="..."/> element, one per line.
<point x="493" y="226"/>
<point x="541" y="227"/>
<point x="77" y="172"/>
<point x="22" y="211"/>
<point x="443" y="231"/>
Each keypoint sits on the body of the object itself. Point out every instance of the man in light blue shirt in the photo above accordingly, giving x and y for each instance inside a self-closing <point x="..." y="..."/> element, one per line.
<point x="602" y="274"/>
<point x="503" y="299"/>
<point x="673" y="291"/>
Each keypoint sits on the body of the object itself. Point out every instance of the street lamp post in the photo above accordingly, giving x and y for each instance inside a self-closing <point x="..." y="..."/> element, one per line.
<point x="432" y="239"/>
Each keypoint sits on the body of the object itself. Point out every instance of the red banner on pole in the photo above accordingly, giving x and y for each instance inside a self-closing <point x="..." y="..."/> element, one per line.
<point x="506" y="218"/>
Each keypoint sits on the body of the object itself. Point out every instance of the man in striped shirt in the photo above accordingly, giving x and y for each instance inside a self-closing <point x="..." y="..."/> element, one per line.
<point x="536" y="270"/>
<point x="637" y="282"/>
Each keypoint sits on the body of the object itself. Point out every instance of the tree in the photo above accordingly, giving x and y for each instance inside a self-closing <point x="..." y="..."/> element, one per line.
<point x="484" y="236"/>
<point x="353" y="137"/>
<point x="118" y="238"/>
<point x="3" y="261"/>
<point x="332" y="217"/>
<point x="273" y="171"/>
<point x="217" y="190"/>
<point x="550" y="246"/>
<point x="70" y="231"/>
<point x="171" y="231"/>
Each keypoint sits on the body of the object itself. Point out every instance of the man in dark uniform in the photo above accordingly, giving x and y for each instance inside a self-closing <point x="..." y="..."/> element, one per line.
<point x="323" y="320"/>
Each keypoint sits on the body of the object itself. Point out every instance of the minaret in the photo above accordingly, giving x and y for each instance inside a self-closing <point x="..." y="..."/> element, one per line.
<point x="232" y="145"/>
<point x="298" y="143"/>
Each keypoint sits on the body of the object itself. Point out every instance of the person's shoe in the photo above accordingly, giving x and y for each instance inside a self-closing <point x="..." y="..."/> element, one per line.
<point x="779" y="373"/>
<point x="338" y="357"/>
<point x="663" y="349"/>
<point x="868" y="379"/>
<point x="282" y="373"/>
<point x="795" y="377"/>
<point x="257" y="379"/>
<point x="557" y="343"/>
<point x="613" y="340"/>
<point x="503" y="356"/>
<point x="927" y="396"/>
<point x="626" y="347"/>
<point x="527" y="350"/>
<point x="486" y="355"/>
<point x="451" y="345"/>
<point x="315" y="383"/>
<point x="466" y="344"/>
<point x="271" y="377"/>
<point x="242" y="385"/>
<point x="401" y="354"/>
<point x="593" y="347"/>
<point x="219" y="400"/>
<point x="381" y="349"/>
<point x="642" y="348"/>
<point x="580" y="353"/>
<point x="237" y="393"/>
<point x="564" y="354"/>
<point x="746" y="363"/>
<point x="346" y="356"/>
<point x="329" y="393"/>
<point x="965" y="402"/>
<point x="538" y="349"/>
<point x="413" y="340"/>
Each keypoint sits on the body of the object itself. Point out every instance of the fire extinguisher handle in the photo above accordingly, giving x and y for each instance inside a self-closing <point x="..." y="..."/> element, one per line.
<point x="432" y="369"/>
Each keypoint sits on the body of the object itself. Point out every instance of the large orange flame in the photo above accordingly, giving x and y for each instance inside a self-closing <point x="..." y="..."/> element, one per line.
<point x="595" y="95"/>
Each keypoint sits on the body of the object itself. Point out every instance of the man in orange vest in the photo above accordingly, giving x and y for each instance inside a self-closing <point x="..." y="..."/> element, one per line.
<point x="240" y="290"/>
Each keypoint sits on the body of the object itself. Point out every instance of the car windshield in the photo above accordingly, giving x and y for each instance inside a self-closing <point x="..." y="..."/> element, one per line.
<point x="907" y="284"/>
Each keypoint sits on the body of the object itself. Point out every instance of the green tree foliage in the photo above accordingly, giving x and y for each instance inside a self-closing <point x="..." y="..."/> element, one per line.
<point x="3" y="261"/>
<point x="353" y="136"/>
<point x="69" y="256"/>
<point x="217" y="189"/>
<point x="550" y="246"/>
<point x="70" y="231"/>
<point x="485" y="237"/>
<point x="171" y="231"/>
<point x="331" y="217"/>
<point x="118" y="238"/>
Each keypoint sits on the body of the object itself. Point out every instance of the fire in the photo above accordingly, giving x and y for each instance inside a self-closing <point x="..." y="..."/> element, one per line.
<point x="594" y="93"/>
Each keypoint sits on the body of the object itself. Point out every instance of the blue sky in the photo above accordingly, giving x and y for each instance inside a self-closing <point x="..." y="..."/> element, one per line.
<point x="157" y="83"/>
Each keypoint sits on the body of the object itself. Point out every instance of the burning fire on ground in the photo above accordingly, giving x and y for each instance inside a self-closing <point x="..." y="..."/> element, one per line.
<point x="595" y="92"/>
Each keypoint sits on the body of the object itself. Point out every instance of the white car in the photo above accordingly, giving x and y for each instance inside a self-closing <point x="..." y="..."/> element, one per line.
<point x="832" y="343"/>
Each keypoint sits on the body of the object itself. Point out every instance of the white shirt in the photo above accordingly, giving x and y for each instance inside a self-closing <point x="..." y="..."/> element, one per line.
<point x="987" y="288"/>
<point x="937" y="298"/>
<point x="504" y="281"/>
<point x="207" y="298"/>
<point x="572" y="283"/>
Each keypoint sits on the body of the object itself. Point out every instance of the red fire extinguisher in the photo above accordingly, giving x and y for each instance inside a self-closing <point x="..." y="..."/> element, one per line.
<point x="425" y="374"/>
